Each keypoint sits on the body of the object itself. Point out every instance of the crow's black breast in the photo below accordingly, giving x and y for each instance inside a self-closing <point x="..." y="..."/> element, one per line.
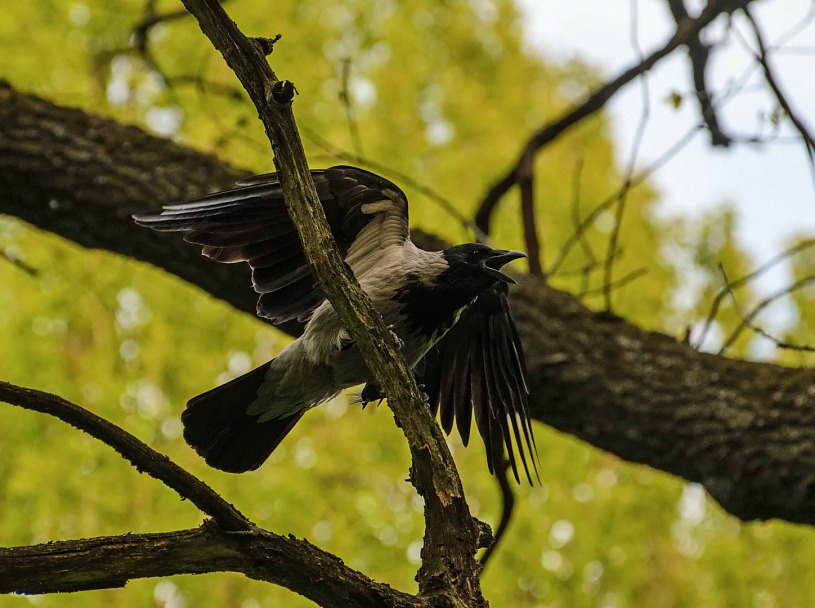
<point x="430" y="309"/>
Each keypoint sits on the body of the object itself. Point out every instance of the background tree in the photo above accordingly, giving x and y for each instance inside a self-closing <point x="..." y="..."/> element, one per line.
<point x="446" y="93"/>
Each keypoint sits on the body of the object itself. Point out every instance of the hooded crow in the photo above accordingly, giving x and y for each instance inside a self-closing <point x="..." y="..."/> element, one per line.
<point x="449" y="309"/>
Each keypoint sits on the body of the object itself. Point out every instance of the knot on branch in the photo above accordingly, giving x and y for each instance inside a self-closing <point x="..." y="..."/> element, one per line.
<point x="484" y="536"/>
<point x="265" y="45"/>
<point x="283" y="91"/>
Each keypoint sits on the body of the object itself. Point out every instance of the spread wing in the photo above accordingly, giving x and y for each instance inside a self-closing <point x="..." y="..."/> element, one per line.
<point x="478" y="368"/>
<point x="250" y="223"/>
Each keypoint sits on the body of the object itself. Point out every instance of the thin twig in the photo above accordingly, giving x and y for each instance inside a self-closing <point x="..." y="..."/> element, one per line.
<point x="717" y="300"/>
<point x="769" y="77"/>
<point x="350" y="115"/>
<point x="635" y="148"/>
<point x="685" y="31"/>
<point x="747" y="321"/>
<point x="617" y="283"/>
<point x="610" y="200"/>
<point x="588" y="252"/>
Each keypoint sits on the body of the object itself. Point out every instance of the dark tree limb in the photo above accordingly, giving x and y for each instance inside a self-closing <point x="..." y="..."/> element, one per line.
<point x="140" y="455"/>
<point x="526" y="182"/>
<point x="744" y="430"/>
<point x="112" y="561"/>
<point x="699" y="55"/>
<point x="452" y="535"/>
<point x="686" y="30"/>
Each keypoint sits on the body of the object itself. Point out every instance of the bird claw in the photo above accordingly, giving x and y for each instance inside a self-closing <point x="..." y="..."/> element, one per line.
<point x="370" y="393"/>
<point x="399" y="342"/>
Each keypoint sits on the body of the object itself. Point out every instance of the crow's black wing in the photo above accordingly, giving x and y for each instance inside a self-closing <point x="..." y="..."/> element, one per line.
<point x="478" y="368"/>
<point x="250" y="223"/>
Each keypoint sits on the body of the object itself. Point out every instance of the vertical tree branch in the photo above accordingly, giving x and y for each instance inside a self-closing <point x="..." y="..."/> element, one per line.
<point x="452" y="536"/>
<point x="699" y="54"/>
<point x="526" y="182"/>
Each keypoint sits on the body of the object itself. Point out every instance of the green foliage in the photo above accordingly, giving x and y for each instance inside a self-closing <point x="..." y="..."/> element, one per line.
<point x="447" y="93"/>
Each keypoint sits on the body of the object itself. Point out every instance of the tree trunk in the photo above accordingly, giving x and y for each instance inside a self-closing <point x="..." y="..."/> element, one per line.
<point x="744" y="430"/>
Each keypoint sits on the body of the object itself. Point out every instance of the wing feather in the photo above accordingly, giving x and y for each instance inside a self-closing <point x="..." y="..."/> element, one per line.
<point x="250" y="223"/>
<point x="477" y="371"/>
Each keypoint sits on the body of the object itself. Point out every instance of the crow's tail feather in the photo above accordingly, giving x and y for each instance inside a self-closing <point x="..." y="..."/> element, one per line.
<point x="217" y="426"/>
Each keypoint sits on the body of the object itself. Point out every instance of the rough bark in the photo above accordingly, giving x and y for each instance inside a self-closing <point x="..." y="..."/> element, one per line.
<point x="111" y="561"/>
<point x="81" y="176"/>
<point x="744" y="430"/>
<point x="449" y="571"/>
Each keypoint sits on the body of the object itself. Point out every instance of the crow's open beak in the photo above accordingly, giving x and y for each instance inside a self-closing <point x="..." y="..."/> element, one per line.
<point x="501" y="257"/>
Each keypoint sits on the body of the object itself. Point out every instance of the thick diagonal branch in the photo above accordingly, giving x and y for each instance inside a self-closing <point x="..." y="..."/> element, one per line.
<point x="112" y="561"/>
<point x="452" y="536"/>
<point x="745" y="430"/>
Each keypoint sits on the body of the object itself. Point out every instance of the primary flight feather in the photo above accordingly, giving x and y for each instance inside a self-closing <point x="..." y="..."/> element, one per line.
<point x="449" y="308"/>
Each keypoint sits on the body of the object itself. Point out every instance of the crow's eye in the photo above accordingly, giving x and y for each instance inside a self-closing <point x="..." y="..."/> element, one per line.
<point x="478" y="254"/>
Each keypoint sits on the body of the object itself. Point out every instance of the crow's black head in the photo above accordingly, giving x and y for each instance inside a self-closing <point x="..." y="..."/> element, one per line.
<point x="431" y="300"/>
<point x="480" y="263"/>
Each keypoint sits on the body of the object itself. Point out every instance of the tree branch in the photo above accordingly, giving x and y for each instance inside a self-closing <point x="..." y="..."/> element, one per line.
<point x="741" y="429"/>
<point x="452" y="536"/>
<point x="686" y="30"/>
<point x="139" y="454"/>
<point x="111" y="561"/>
<point x="762" y="57"/>
<point x="699" y="55"/>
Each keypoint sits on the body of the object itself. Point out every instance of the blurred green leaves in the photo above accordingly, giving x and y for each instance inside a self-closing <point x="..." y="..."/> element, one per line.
<point x="447" y="93"/>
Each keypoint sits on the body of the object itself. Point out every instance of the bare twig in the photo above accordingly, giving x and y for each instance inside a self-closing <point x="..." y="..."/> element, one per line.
<point x="608" y="287"/>
<point x="140" y="455"/>
<point x="588" y="252"/>
<point x="611" y="252"/>
<point x="747" y="321"/>
<point x="611" y="199"/>
<point x="769" y="77"/>
<point x="350" y="115"/>
<point x="686" y="30"/>
<point x="729" y="287"/>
